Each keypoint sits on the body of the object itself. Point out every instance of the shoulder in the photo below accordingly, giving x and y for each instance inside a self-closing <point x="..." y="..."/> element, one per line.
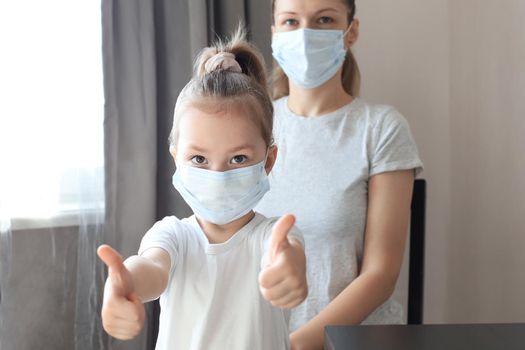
<point x="382" y="123"/>
<point x="391" y="146"/>
<point x="380" y="115"/>
<point x="172" y="225"/>
<point x="262" y="224"/>
<point x="280" y="107"/>
<point x="280" y="102"/>
<point x="280" y="110"/>
<point x="170" y="231"/>
<point x="170" y="234"/>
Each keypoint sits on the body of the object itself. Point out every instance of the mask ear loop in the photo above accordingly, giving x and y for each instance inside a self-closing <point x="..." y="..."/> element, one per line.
<point x="267" y="153"/>
<point x="348" y="29"/>
<point x="346" y="32"/>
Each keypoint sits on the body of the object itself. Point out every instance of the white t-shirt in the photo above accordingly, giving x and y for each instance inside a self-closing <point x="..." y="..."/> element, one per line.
<point x="213" y="301"/>
<point x="321" y="175"/>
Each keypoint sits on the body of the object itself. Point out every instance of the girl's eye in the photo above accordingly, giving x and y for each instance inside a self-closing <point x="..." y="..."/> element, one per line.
<point x="239" y="159"/>
<point x="325" y="20"/>
<point x="198" y="160"/>
<point x="290" y="22"/>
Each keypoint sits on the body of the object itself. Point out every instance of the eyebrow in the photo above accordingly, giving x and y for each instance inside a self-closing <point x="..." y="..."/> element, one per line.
<point x="196" y="148"/>
<point x="243" y="147"/>
<point x="316" y="13"/>
<point x="233" y="150"/>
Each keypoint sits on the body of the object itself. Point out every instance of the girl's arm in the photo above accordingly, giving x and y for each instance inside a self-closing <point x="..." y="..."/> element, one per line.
<point x="389" y="196"/>
<point x="129" y="285"/>
<point x="150" y="272"/>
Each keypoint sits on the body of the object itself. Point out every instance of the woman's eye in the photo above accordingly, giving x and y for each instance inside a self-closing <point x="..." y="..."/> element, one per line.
<point x="325" y="20"/>
<point x="198" y="160"/>
<point x="290" y="22"/>
<point x="239" y="159"/>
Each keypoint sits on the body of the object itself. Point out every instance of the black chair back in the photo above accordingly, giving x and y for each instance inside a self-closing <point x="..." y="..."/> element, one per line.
<point x="416" y="266"/>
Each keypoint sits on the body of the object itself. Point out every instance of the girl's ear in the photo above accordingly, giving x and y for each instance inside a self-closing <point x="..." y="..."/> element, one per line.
<point x="353" y="34"/>
<point x="270" y="160"/>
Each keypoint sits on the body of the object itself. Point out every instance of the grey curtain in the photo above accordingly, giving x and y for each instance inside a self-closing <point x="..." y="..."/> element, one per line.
<point x="148" y="50"/>
<point x="179" y="40"/>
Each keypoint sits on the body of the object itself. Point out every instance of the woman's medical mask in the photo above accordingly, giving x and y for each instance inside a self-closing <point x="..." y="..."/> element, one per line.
<point x="309" y="57"/>
<point x="221" y="197"/>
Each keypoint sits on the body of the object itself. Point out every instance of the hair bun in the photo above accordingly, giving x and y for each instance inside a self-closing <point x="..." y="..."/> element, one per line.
<point x="222" y="61"/>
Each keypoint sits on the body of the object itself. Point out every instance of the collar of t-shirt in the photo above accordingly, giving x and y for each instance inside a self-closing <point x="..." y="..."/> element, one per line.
<point x="218" y="248"/>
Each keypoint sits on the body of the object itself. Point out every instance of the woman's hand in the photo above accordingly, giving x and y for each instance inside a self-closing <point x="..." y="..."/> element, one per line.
<point x="122" y="310"/>
<point x="301" y="341"/>
<point x="282" y="280"/>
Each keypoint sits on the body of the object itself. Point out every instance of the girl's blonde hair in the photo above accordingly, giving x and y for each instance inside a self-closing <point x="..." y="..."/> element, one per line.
<point x="222" y="87"/>
<point x="351" y="76"/>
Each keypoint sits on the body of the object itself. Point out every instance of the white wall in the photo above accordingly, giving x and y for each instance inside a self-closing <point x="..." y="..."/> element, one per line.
<point x="456" y="70"/>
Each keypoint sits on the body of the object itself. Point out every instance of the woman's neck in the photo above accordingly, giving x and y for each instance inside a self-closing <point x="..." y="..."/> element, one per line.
<point x="221" y="233"/>
<point x="318" y="101"/>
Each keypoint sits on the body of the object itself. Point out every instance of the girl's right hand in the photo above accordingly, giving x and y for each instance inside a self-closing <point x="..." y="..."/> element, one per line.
<point x="122" y="310"/>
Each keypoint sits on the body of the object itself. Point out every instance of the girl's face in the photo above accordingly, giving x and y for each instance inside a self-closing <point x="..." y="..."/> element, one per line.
<point x="220" y="141"/>
<point x="314" y="14"/>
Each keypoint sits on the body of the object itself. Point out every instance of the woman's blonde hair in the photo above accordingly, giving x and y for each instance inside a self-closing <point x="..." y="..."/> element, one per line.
<point x="225" y="75"/>
<point x="351" y="76"/>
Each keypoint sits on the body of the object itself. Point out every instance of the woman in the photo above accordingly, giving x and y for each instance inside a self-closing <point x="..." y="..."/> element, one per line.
<point x="345" y="169"/>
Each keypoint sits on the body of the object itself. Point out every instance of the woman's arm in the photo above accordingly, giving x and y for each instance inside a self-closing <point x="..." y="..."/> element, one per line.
<point x="389" y="196"/>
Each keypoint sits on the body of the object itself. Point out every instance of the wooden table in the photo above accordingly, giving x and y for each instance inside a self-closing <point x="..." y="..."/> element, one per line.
<point x="427" y="337"/>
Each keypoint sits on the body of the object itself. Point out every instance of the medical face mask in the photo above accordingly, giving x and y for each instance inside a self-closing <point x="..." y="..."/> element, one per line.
<point x="221" y="197"/>
<point x="309" y="57"/>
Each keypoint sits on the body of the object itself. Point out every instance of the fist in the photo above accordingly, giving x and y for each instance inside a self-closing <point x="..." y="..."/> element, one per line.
<point x="122" y="310"/>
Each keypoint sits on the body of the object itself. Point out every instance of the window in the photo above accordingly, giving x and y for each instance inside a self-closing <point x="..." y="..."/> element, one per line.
<point x="51" y="109"/>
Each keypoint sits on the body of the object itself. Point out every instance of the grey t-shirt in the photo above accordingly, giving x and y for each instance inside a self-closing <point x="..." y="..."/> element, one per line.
<point x="321" y="175"/>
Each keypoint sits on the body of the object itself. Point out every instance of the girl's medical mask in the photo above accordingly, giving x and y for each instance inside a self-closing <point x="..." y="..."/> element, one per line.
<point x="221" y="197"/>
<point x="309" y="57"/>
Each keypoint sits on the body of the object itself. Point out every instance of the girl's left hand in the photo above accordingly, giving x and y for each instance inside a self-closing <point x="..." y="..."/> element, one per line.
<point x="282" y="280"/>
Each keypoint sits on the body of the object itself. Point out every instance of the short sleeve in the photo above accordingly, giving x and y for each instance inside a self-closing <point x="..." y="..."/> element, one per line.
<point x="393" y="147"/>
<point x="163" y="234"/>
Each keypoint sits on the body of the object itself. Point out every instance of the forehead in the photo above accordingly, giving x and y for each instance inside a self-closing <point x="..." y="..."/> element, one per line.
<point x="215" y="126"/>
<point x="309" y="6"/>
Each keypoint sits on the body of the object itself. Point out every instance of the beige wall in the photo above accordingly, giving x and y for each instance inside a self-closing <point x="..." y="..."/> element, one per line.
<point x="456" y="70"/>
<point x="487" y="107"/>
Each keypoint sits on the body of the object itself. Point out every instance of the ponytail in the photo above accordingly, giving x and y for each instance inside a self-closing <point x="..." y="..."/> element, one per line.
<point x="351" y="76"/>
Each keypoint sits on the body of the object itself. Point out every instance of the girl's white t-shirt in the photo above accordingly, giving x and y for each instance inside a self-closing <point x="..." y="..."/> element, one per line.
<point x="321" y="175"/>
<point x="213" y="301"/>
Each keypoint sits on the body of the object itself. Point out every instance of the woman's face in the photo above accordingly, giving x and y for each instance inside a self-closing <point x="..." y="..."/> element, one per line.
<point x="314" y="14"/>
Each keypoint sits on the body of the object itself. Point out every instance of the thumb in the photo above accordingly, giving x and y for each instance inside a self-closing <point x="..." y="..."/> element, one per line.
<point x="116" y="268"/>
<point x="279" y="237"/>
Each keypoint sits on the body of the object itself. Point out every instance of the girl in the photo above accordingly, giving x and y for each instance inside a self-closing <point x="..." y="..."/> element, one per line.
<point x="216" y="290"/>
<point x="346" y="169"/>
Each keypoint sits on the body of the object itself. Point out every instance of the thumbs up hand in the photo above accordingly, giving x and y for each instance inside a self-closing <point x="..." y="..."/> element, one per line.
<point x="282" y="280"/>
<point x="122" y="310"/>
